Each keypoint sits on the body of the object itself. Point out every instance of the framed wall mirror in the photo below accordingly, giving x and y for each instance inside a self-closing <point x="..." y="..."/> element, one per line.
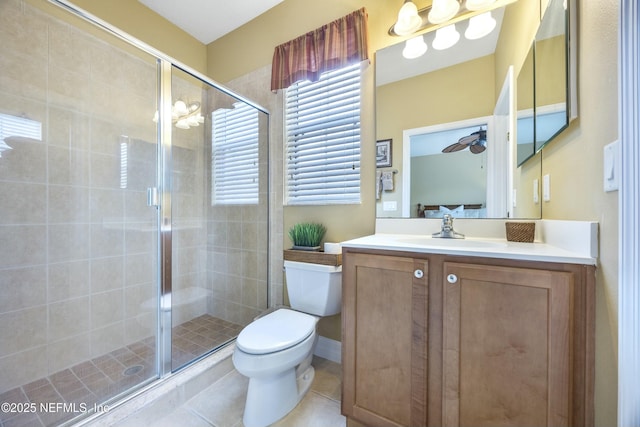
<point x="444" y="87"/>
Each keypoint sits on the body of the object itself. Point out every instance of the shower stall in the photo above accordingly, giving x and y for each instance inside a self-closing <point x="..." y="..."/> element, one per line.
<point x="134" y="233"/>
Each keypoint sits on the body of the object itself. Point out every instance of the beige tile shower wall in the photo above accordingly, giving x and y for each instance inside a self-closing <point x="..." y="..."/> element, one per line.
<point x="271" y="178"/>
<point x="77" y="252"/>
<point x="242" y="238"/>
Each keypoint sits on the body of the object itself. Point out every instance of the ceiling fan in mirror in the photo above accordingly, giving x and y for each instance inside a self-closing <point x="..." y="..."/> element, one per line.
<point x="477" y="143"/>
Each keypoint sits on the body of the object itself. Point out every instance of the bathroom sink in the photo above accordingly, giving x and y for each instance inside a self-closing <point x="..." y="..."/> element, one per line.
<point x="450" y="243"/>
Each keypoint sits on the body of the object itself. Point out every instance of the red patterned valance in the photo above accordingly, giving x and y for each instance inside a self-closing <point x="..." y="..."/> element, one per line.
<point x="332" y="46"/>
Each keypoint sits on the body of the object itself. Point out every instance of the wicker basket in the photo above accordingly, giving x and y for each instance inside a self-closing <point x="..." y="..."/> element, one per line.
<point x="520" y="231"/>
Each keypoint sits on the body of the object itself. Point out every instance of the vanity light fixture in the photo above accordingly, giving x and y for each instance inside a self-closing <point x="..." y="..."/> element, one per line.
<point x="446" y="37"/>
<point x="414" y="47"/>
<point x="184" y="116"/>
<point x="440" y="13"/>
<point x="480" y="26"/>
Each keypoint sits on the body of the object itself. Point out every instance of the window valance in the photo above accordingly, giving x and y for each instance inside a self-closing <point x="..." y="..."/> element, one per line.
<point x="330" y="47"/>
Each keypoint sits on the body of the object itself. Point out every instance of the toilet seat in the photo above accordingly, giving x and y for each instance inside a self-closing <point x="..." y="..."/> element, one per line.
<point x="276" y="331"/>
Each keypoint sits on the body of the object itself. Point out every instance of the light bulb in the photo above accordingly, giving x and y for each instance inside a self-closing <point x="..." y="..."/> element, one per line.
<point x="443" y="10"/>
<point x="480" y="26"/>
<point x="182" y="124"/>
<point x="446" y="37"/>
<point x="408" y="19"/>
<point x="180" y="108"/>
<point x="193" y="121"/>
<point x="414" y="48"/>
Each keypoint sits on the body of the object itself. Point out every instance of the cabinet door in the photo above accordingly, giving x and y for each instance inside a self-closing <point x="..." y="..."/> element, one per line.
<point x="506" y="346"/>
<point x="384" y="339"/>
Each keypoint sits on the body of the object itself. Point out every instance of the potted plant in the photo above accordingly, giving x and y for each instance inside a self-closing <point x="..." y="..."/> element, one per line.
<point x="307" y="236"/>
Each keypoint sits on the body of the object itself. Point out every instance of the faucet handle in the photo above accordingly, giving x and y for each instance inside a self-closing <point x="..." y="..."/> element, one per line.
<point x="447" y="221"/>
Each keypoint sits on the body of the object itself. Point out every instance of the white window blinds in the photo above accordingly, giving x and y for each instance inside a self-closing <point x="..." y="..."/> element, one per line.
<point x="235" y="155"/>
<point x="323" y="139"/>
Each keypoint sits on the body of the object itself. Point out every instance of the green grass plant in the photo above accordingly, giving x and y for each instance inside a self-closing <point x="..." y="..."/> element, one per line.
<point x="307" y="234"/>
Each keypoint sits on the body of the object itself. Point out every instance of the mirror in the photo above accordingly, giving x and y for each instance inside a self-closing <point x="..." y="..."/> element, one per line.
<point x="455" y="85"/>
<point x="551" y="88"/>
<point x="445" y="88"/>
<point x="525" y="133"/>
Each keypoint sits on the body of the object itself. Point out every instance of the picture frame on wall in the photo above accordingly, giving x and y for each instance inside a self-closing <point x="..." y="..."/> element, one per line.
<point x="383" y="153"/>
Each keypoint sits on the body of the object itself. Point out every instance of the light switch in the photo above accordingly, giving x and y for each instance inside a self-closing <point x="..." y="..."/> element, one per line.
<point x="515" y="198"/>
<point x="546" y="192"/>
<point x="536" y="191"/>
<point x="611" y="166"/>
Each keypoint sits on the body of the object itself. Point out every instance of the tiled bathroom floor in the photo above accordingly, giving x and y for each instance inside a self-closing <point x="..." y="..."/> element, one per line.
<point x="104" y="377"/>
<point x="222" y="403"/>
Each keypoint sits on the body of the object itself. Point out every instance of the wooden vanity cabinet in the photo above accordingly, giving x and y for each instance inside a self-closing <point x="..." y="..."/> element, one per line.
<point x="508" y="343"/>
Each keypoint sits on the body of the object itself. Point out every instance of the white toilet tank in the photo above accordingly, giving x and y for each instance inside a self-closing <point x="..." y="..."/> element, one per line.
<point x="314" y="288"/>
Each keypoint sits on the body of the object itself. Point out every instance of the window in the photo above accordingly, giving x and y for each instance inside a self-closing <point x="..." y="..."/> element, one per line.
<point x="323" y="139"/>
<point x="235" y="155"/>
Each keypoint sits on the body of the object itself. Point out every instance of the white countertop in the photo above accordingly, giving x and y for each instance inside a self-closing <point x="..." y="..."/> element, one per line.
<point x="568" y="249"/>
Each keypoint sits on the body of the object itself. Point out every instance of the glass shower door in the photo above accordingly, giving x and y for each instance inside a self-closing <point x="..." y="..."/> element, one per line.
<point x="219" y="215"/>
<point x="78" y="252"/>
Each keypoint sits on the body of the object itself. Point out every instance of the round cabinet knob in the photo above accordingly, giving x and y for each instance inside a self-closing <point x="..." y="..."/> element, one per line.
<point x="418" y="274"/>
<point x="452" y="278"/>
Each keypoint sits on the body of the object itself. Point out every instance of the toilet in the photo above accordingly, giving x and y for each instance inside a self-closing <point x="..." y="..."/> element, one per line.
<point x="275" y="350"/>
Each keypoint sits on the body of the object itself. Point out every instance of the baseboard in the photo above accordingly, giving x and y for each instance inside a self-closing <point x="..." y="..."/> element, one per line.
<point x="329" y="349"/>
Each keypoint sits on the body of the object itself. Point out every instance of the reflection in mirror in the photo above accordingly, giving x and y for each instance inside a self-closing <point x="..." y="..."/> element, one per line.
<point x="450" y="86"/>
<point x="551" y="115"/>
<point x="525" y="133"/>
<point x="452" y="159"/>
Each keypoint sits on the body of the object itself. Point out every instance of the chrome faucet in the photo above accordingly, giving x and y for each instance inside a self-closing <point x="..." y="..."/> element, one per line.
<point x="447" y="231"/>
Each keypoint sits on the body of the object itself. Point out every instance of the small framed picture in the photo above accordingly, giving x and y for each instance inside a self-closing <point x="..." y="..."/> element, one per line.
<point x="383" y="153"/>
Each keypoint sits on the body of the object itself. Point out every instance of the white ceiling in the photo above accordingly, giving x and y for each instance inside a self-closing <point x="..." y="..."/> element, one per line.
<point x="208" y="20"/>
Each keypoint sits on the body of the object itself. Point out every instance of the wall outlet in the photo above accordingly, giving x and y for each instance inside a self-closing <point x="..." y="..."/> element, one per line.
<point x="390" y="206"/>
<point x="546" y="192"/>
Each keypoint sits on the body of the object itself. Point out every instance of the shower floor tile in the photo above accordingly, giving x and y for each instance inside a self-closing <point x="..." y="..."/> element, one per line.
<point x="71" y="392"/>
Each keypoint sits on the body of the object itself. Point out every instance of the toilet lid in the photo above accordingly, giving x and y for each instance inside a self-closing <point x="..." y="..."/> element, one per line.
<point x="276" y="331"/>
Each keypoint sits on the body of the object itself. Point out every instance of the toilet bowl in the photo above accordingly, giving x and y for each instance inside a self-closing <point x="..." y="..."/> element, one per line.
<point x="275" y="351"/>
<point x="275" y="385"/>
